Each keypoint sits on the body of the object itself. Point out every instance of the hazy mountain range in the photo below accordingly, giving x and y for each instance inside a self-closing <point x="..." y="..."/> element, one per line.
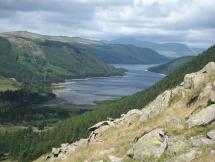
<point x="166" y="49"/>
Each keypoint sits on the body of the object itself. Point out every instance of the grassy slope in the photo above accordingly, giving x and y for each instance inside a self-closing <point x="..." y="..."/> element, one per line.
<point x="76" y="127"/>
<point x="171" y="66"/>
<point x="76" y="60"/>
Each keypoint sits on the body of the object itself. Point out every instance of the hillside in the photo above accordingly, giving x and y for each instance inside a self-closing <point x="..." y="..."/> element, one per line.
<point x="171" y="66"/>
<point x="166" y="49"/>
<point x="8" y="84"/>
<point x="126" y="54"/>
<point x="111" y="54"/>
<point x="176" y="126"/>
<point x="76" y="127"/>
<point x="34" y="60"/>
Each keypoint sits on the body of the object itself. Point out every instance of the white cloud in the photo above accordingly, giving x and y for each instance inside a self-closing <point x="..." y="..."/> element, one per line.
<point x="154" y="20"/>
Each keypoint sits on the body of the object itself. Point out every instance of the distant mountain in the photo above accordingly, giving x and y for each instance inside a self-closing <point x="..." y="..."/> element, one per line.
<point x="125" y="54"/>
<point x="35" y="59"/>
<point x="198" y="50"/>
<point x="166" y="49"/>
<point x="171" y="66"/>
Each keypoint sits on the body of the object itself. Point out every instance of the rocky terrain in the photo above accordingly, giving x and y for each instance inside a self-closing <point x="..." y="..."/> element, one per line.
<point x="178" y="126"/>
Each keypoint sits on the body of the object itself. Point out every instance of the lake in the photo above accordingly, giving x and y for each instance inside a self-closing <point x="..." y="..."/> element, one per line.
<point x="87" y="91"/>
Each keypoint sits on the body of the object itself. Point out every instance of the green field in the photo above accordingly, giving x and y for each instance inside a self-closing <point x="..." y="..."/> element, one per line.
<point x="8" y="84"/>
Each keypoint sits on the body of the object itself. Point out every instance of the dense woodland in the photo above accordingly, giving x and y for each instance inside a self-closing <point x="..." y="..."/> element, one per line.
<point x="27" y="108"/>
<point x="26" y="145"/>
<point x="171" y="66"/>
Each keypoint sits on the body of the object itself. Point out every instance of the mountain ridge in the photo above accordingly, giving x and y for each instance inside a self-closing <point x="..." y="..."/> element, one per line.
<point x="166" y="49"/>
<point x="109" y="54"/>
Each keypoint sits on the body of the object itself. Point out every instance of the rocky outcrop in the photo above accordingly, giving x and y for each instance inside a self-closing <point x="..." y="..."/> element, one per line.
<point x="98" y="129"/>
<point x="199" y="141"/>
<point x="101" y="124"/>
<point x="188" y="156"/>
<point x="208" y="93"/>
<point x="161" y="103"/>
<point x="65" y="150"/>
<point x="151" y="145"/>
<point x="126" y="117"/>
<point x="209" y="68"/>
<point x="211" y="134"/>
<point x="203" y="117"/>
<point x="194" y="80"/>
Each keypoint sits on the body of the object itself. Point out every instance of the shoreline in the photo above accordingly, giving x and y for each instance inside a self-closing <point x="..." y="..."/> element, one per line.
<point x="69" y="85"/>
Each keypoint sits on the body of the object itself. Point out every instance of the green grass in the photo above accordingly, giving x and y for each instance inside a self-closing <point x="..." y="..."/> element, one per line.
<point x="8" y="84"/>
<point x="10" y="128"/>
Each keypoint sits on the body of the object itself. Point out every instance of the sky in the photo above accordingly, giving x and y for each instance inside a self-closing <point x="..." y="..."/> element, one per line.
<point x="185" y="21"/>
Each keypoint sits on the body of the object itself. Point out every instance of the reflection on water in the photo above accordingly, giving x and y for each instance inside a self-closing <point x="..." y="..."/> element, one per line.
<point x="87" y="91"/>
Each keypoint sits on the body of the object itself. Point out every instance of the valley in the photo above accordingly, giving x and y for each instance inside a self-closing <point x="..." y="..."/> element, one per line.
<point x="31" y="63"/>
<point x="33" y="119"/>
<point x="107" y="81"/>
<point x="91" y="90"/>
<point x="76" y="127"/>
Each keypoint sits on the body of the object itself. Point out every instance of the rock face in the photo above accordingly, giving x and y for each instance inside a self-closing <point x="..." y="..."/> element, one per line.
<point x="209" y="68"/>
<point x="100" y="124"/>
<point x="193" y="80"/>
<point x="188" y="156"/>
<point x="98" y="129"/>
<point x="65" y="150"/>
<point x="151" y="145"/>
<point x="208" y="92"/>
<point x="202" y="141"/>
<point x="188" y="81"/>
<point x="203" y="117"/>
<point x="157" y="106"/>
<point x="211" y="134"/>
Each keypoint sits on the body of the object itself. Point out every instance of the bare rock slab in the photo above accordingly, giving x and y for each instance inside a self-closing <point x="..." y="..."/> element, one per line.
<point x="151" y="145"/>
<point x="211" y="134"/>
<point x="203" y="117"/>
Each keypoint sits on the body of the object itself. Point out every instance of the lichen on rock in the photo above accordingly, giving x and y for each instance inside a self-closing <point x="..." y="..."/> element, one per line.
<point x="203" y="117"/>
<point x="151" y="145"/>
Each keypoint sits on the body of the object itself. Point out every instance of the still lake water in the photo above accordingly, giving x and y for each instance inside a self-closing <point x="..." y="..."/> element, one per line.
<point x="87" y="91"/>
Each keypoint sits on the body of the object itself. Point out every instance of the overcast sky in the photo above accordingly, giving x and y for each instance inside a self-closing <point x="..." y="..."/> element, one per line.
<point x="189" y="21"/>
